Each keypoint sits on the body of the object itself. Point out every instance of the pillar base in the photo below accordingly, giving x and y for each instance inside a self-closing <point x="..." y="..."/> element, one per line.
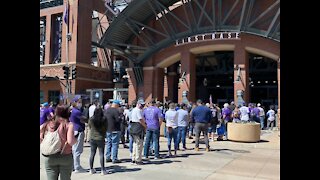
<point x="249" y="132"/>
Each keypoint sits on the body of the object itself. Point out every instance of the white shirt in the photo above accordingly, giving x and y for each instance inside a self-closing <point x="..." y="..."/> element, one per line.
<point x="171" y="118"/>
<point x="244" y="113"/>
<point x="91" y="110"/>
<point x="270" y="115"/>
<point x="261" y="111"/>
<point x="183" y="117"/>
<point x="136" y="114"/>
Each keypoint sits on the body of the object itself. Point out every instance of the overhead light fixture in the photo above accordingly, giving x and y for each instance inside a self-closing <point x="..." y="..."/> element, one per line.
<point x="266" y="82"/>
<point x="258" y="82"/>
<point x="217" y="85"/>
<point x="274" y="81"/>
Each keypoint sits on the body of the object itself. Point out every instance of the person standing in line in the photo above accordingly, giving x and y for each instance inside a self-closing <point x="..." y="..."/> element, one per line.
<point x="213" y="123"/>
<point x="123" y="126"/>
<point x="98" y="126"/>
<point x="191" y="124"/>
<point x="172" y="128"/>
<point x="61" y="163"/>
<point x="85" y="112"/>
<point x="202" y="116"/>
<point x="112" y="115"/>
<point x="271" y="117"/>
<point x="137" y="117"/>
<point x="226" y="118"/>
<point x="261" y="116"/>
<point x="78" y="121"/>
<point x="153" y="118"/>
<point x="129" y="119"/>
<point x="45" y="113"/>
<point x="183" y="121"/>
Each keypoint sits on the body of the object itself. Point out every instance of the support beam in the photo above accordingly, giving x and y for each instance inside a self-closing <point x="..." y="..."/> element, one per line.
<point x="264" y="13"/>
<point x="273" y="22"/>
<point x="203" y="11"/>
<point x="242" y="13"/>
<point x="230" y="11"/>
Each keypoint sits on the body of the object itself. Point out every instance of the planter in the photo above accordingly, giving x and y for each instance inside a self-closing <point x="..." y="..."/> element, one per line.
<point x="244" y="132"/>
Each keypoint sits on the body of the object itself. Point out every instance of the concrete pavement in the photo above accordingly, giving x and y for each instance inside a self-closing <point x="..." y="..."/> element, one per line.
<point x="226" y="160"/>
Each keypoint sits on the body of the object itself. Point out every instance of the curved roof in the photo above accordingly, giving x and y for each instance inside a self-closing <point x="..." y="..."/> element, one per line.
<point x="132" y="25"/>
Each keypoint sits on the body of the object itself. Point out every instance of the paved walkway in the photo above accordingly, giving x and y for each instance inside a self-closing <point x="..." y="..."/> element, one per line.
<point x="227" y="160"/>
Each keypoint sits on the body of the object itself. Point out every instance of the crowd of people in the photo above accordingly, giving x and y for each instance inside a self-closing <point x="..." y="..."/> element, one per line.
<point x="139" y="125"/>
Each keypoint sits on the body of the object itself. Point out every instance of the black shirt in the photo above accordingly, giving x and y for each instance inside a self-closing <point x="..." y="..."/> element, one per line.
<point x="113" y="120"/>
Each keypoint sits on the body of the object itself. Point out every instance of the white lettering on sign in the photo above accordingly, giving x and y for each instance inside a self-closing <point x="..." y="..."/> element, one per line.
<point x="211" y="36"/>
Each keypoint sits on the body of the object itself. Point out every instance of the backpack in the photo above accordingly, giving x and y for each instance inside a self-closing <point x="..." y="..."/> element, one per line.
<point x="51" y="143"/>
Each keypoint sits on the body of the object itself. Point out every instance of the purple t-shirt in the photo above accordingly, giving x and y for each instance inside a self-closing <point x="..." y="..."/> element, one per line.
<point x="44" y="112"/>
<point x="227" y="112"/>
<point x="75" y="119"/>
<point x="256" y="111"/>
<point x="152" y="115"/>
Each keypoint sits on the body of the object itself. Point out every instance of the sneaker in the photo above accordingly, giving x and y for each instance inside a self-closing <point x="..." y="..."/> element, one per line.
<point x="92" y="171"/>
<point x="190" y="137"/>
<point x="133" y="162"/>
<point x="80" y="170"/>
<point x="146" y="158"/>
<point x="130" y="155"/>
<point x="139" y="163"/>
<point x="155" y="158"/>
<point x="116" y="161"/>
<point x="207" y="149"/>
<point x="196" y="149"/>
<point x="108" y="160"/>
<point x="103" y="173"/>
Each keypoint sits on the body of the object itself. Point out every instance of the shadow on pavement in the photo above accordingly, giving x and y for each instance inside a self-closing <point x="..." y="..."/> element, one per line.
<point x="119" y="169"/>
<point x="233" y="150"/>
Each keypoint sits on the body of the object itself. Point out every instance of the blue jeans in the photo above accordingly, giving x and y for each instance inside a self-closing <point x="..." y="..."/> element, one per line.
<point x="191" y="125"/>
<point x="182" y="130"/>
<point x="77" y="150"/>
<point x="173" y="135"/>
<point x="262" y="121"/>
<point x="152" y="137"/>
<point x="112" y="141"/>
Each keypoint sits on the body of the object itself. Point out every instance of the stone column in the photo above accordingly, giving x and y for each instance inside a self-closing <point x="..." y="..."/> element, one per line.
<point x="132" y="88"/>
<point x="188" y="65"/>
<point x="158" y="84"/>
<point x="241" y="60"/>
<point x="148" y="83"/>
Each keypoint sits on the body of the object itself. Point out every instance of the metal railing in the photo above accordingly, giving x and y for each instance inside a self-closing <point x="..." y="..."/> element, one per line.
<point x="50" y="3"/>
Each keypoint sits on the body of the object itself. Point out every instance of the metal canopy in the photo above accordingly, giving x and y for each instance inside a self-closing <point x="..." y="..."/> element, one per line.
<point x="131" y="35"/>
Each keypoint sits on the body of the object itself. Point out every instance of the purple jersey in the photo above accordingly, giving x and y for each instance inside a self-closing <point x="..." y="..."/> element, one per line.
<point x="75" y="119"/>
<point x="227" y="112"/>
<point x="152" y="115"/>
<point x="44" y="113"/>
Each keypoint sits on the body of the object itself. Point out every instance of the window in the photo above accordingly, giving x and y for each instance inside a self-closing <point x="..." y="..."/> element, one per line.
<point x="54" y="96"/>
<point x="41" y="97"/>
<point x="42" y="39"/>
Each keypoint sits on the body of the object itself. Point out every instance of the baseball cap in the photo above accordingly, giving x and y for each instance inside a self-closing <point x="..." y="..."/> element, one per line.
<point x="76" y="98"/>
<point x="258" y="104"/>
<point x="116" y="102"/>
<point x="141" y="101"/>
<point x="45" y="104"/>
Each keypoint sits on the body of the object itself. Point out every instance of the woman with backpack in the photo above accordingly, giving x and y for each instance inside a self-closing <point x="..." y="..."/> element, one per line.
<point x="98" y="126"/>
<point x="58" y="157"/>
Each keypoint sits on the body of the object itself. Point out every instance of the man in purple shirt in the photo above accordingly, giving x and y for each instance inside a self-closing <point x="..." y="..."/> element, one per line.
<point x="255" y="114"/>
<point x="153" y="117"/>
<point x="78" y="120"/>
<point x="45" y="112"/>
<point x="226" y="116"/>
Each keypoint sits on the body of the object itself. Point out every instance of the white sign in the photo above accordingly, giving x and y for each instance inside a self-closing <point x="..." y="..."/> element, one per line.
<point x="208" y="37"/>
